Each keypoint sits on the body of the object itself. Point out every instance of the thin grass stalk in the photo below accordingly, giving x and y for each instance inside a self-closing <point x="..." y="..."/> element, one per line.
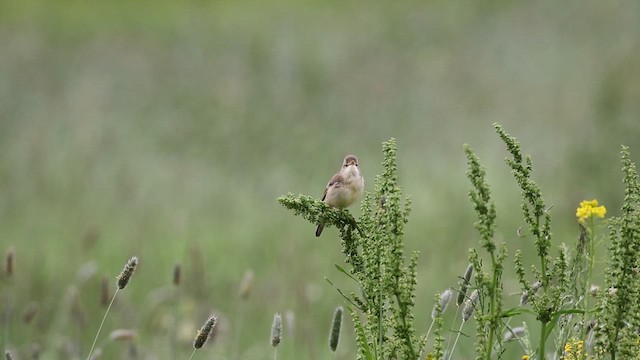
<point x="456" y="341"/>
<point x="591" y="238"/>
<point x="467" y="312"/>
<point x="545" y="287"/>
<point x="492" y="305"/>
<point x="95" y="340"/>
<point x="177" y="270"/>
<point x="123" y="279"/>
<point x="9" y="265"/>
<point x="455" y="319"/>
<point x="379" y="303"/>
<point x="240" y="321"/>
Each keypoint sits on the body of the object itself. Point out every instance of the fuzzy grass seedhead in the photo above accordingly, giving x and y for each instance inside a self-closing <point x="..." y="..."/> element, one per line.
<point x="205" y="332"/>
<point x="336" y="326"/>
<point x="123" y="335"/>
<point x="9" y="261"/>
<point x="470" y="305"/>
<point x="127" y="272"/>
<point x="276" y="330"/>
<point x="464" y="284"/>
<point x="177" y="274"/>
<point x="247" y="284"/>
<point x="442" y="303"/>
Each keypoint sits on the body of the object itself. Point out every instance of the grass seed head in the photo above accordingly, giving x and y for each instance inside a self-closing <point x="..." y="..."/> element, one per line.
<point x="122" y="335"/>
<point x="470" y="305"/>
<point x="276" y="330"/>
<point x="464" y="284"/>
<point x="247" y="284"/>
<point x="445" y="298"/>
<point x="30" y="312"/>
<point x="290" y="322"/>
<point x="532" y="291"/>
<point x="127" y="272"/>
<point x="336" y="326"/>
<point x="177" y="274"/>
<point x="9" y="261"/>
<point x="205" y="332"/>
<point x="513" y="333"/>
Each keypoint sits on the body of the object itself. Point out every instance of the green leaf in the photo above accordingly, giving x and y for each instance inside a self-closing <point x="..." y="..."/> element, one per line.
<point x="343" y="294"/>
<point x="342" y="270"/>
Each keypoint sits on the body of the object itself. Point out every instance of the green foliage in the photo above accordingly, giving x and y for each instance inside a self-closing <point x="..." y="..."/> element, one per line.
<point x="546" y="304"/>
<point x="379" y="266"/>
<point x="556" y="291"/>
<point x="619" y="320"/>
<point x="560" y="290"/>
<point x="489" y="287"/>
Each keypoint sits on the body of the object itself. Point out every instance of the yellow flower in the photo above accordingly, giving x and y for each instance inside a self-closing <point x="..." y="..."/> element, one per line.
<point x="588" y="209"/>
<point x="573" y="349"/>
<point x="525" y="357"/>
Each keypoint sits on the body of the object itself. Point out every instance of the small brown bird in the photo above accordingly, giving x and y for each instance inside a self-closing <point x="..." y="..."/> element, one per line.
<point x="344" y="188"/>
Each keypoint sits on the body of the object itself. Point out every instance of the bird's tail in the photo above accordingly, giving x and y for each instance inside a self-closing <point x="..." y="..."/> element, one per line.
<point x="319" y="229"/>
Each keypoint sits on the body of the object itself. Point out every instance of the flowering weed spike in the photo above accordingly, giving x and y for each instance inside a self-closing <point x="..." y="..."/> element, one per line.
<point x="127" y="272"/>
<point x="616" y="332"/>
<point x="336" y="326"/>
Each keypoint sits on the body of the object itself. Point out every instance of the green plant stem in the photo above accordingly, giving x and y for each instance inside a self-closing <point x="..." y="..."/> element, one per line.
<point x="240" y="313"/>
<point x="7" y="320"/>
<point x="591" y="261"/>
<point x="455" y="319"/>
<point x="404" y="325"/>
<point x="543" y="328"/>
<point x="379" y="304"/>
<point x="543" y="271"/>
<point x="456" y="341"/>
<point x="102" y="324"/>
<point x="192" y="353"/>
<point x="492" y="305"/>
<point x="173" y="330"/>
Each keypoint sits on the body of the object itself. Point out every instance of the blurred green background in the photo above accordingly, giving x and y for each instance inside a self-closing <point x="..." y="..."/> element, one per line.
<point x="167" y="130"/>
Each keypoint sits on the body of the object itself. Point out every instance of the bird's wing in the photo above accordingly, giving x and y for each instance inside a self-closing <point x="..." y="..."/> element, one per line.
<point x="335" y="181"/>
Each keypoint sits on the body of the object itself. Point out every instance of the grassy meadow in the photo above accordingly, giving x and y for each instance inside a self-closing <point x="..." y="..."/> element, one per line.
<point x="166" y="130"/>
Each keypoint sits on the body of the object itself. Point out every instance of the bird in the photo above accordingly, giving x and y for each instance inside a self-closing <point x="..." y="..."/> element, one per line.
<point x="345" y="187"/>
